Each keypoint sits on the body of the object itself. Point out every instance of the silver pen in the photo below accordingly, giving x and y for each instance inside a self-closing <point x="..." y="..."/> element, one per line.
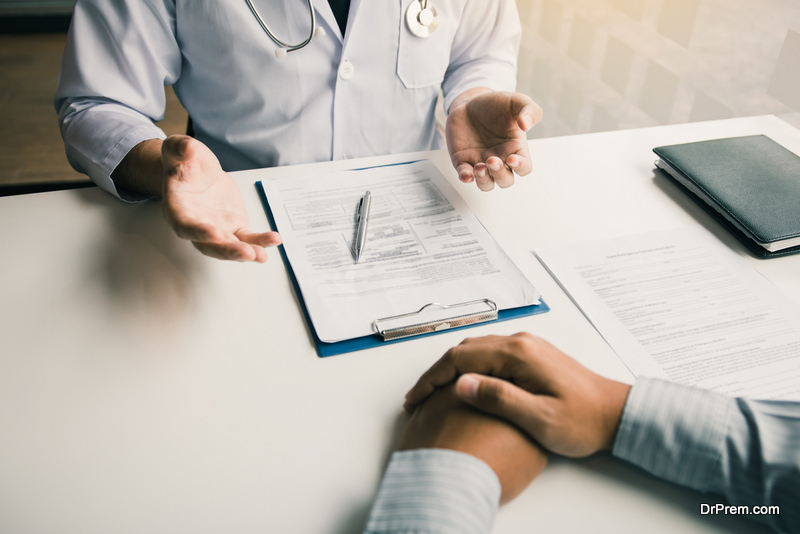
<point x="363" y="219"/>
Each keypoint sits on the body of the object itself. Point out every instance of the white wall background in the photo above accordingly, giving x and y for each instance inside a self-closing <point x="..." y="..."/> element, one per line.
<point x="597" y="65"/>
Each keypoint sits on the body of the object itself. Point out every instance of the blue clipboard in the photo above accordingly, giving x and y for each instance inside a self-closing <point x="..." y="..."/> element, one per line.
<point x="360" y="343"/>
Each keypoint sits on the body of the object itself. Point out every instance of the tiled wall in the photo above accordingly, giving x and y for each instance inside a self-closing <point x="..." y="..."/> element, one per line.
<point x="596" y="65"/>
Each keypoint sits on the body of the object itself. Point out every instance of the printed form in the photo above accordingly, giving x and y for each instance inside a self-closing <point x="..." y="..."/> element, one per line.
<point x="681" y="306"/>
<point x="423" y="245"/>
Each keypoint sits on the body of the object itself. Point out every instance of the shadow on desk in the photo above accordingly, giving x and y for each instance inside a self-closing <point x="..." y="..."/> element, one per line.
<point x="698" y="214"/>
<point x="354" y="520"/>
<point x="144" y="271"/>
<point x="686" y="500"/>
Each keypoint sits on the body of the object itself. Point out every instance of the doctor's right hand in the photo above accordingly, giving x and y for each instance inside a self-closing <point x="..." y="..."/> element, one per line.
<point x="203" y="204"/>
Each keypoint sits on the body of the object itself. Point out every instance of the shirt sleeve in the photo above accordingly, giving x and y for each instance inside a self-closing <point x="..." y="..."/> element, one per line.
<point x="745" y="450"/>
<point x="440" y="491"/>
<point x="117" y="59"/>
<point x="485" y="49"/>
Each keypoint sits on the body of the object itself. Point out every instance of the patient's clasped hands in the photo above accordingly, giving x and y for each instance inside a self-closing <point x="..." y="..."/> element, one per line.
<point x="526" y="384"/>
<point x="444" y="421"/>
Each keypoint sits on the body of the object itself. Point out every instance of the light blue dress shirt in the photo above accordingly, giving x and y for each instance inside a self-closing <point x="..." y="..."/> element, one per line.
<point x="372" y="93"/>
<point x="438" y="491"/>
<point x="746" y="450"/>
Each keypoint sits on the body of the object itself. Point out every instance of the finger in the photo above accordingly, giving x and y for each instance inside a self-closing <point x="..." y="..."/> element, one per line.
<point x="507" y="401"/>
<point x="499" y="172"/>
<point x="265" y="239"/>
<point x="480" y="172"/>
<point x="232" y="250"/>
<point x="175" y="151"/>
<point x="527" y="111"/>
<point x="465" y="172"/>
<point x="260" y="254"/>
<point x="490" y="339"/>
<point x="520" y="162"/>
<point x="438" y="375"/>
<point x="482" y="339"/>
<point x="475" y="356"/>
<point x="483" y="179"/>
<point x="518" y="357"/>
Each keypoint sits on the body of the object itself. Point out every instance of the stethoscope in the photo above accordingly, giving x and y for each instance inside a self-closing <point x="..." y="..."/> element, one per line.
<point x="421" y="18"/>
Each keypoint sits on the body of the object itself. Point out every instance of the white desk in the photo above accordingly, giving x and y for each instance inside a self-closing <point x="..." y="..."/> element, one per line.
<point x="146" y="388"/>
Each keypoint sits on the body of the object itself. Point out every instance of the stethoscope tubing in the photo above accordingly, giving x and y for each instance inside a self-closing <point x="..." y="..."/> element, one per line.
<point x="287" y="46"/>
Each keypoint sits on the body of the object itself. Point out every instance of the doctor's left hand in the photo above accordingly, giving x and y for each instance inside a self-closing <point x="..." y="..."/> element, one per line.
<point x="203" y="204"/>
<point x="486" y="136"/>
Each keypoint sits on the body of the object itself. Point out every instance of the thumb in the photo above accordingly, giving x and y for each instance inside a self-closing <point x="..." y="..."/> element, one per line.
<point x="503" y="399"/>
<point x="528" y="112"/>
<point x="176" y="150"/>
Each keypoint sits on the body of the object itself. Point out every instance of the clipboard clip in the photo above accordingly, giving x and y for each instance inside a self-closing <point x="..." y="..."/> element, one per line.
<point x="397" y="326"/>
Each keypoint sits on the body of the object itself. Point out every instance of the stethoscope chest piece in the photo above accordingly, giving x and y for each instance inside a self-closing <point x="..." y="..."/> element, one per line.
<point x="422" y="18"/>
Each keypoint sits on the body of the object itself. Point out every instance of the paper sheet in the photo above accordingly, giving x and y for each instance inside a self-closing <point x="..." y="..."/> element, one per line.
<point x="681" y="306"/>
<point x="423" y="245"/>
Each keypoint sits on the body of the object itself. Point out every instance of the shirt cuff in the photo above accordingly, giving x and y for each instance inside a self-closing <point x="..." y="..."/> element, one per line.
<point x="435" y="491"/>
<point x="674" y="432"/>
<point x="115" y="157"/>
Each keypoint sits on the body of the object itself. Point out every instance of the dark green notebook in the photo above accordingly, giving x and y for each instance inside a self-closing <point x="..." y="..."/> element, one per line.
<point x="750" y="184"/>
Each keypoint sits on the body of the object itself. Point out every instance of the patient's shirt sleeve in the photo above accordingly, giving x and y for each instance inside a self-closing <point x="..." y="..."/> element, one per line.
<point x="440" y="491"/>
<point x="745" y="450"/>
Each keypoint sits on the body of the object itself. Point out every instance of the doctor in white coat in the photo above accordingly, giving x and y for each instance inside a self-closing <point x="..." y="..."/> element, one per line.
<point x="366" y="84"/>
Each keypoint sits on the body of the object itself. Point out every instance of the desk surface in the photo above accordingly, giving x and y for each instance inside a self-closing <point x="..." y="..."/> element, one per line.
<point x="146" y="388"/>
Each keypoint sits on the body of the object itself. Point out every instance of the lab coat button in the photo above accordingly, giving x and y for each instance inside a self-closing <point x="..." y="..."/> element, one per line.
<point x="346" y="70"/>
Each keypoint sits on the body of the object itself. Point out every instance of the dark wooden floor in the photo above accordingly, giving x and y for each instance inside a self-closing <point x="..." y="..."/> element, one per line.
<point x="31" y="149"/>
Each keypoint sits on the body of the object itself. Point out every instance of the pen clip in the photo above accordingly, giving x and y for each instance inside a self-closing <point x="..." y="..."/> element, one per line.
<point x="358" y="210"/>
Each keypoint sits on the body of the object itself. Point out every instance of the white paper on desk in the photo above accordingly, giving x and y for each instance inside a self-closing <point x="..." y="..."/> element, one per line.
<point x="681" y="306"/>
<point x="423" y="245"/>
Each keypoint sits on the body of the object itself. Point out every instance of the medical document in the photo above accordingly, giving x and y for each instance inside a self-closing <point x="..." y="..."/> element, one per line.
<point x="423" y="245"/>
<point x="680" y="305"/>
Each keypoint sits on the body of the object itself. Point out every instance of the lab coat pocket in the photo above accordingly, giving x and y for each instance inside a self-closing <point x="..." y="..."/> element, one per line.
<point x="422" y="61"/>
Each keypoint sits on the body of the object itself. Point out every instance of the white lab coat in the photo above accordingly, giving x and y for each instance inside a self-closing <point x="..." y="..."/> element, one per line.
<point x="254" y="110"/>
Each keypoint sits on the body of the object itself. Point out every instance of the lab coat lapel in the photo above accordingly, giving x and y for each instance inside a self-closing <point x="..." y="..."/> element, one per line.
<point x="325" y="13"/>
<point x="351" y="17"/>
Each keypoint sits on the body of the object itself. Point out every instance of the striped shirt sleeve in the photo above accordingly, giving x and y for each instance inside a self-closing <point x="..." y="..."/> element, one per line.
<point x="745" y="450"/>
<point x="439" y="491"/>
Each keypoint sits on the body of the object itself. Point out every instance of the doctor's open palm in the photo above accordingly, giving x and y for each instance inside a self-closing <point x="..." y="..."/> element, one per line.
<point x="486" y="136"/>
<point x="203" y="204"/>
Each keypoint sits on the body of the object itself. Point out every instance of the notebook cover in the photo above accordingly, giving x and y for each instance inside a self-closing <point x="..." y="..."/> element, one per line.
<point x="360" y="343"/>
<point x="753" y="180"/>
